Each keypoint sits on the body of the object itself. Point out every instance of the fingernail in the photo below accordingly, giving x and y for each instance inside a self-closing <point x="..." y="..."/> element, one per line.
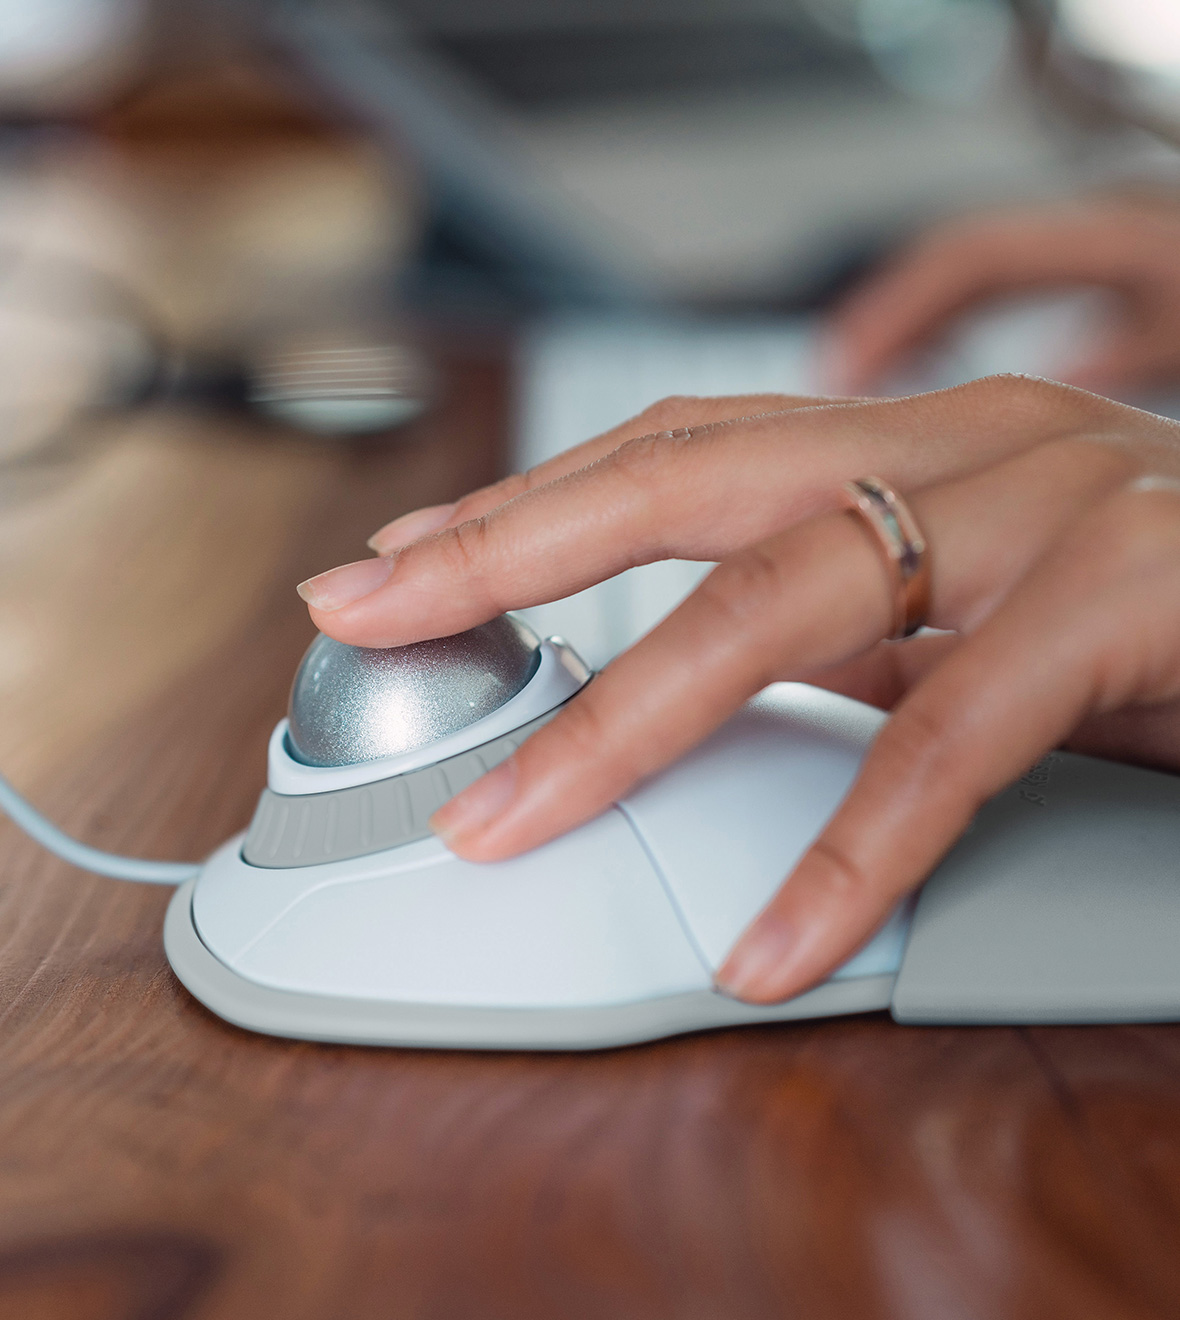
<point x="476" y="806"/>
<point x="341" y="586"/>
<point x="409" y="527"/>
<point x="758" y="961"/>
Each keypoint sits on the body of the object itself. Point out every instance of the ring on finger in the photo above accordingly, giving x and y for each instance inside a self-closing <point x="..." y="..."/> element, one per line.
<point x="905" y="549"/>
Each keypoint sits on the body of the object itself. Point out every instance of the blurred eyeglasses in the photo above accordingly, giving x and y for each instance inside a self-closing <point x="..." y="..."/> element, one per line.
<point x="73" y="344"/>
<point x="77" y="345"/>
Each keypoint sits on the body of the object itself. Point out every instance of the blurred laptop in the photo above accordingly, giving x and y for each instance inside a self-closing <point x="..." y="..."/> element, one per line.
<point x="678" y="151"/>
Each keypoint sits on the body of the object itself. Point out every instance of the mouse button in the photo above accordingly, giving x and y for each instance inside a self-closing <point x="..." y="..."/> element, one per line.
<point x="727" y="823"/>
<point x="233" y="903"/>
<point x="581" y="921"/>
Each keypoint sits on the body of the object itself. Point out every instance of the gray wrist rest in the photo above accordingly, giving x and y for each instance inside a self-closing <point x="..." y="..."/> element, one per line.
<point x="352" y="822"/>
<point x="1061" y="904"/>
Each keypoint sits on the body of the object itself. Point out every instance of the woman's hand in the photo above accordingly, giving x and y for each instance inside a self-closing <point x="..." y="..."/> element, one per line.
<point x="1128" y="245"/>
<point x="1054" y="522"/>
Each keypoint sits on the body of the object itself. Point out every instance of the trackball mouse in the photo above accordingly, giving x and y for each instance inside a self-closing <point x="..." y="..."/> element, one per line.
<point x="339" y="916"/>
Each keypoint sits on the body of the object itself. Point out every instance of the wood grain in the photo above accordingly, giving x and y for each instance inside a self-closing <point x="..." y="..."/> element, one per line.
<point x="158" y="1163"/>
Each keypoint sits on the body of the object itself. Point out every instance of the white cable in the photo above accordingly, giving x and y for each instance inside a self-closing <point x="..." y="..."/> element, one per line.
<point x="90" y="859"/>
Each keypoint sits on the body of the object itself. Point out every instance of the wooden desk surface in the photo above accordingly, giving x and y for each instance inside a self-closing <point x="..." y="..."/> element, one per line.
<point x="157" y="1163"/>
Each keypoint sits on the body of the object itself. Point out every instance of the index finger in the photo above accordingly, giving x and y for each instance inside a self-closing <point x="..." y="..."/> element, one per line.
<point x="670" y="414"/>
<point x="697" y="494"/>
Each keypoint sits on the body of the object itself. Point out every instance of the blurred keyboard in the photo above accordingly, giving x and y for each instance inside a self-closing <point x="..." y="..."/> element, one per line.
<point x="581" y="377"/>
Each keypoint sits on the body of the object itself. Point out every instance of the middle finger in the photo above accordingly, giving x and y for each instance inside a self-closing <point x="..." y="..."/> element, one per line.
<point x="801" y="601"/>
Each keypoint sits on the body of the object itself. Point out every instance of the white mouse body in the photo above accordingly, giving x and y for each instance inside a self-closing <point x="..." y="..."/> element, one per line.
<point x="611" y="933"/>
<point x="338" y="916"/>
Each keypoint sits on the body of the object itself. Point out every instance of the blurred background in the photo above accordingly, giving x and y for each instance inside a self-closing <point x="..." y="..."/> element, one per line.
<point x="287" y="209"/>
<point x="268" y="205"/>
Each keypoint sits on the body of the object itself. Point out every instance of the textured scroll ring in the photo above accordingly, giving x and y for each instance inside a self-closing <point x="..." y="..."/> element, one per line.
<point x="907" y="556"/>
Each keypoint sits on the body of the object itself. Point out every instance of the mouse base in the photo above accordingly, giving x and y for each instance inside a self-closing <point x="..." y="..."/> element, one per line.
<point x="343" y="1020"/>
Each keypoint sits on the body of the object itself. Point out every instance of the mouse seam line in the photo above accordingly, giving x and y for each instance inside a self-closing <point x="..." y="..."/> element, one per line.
<point x="669" y="893"/>
<point x="326" y="883"/>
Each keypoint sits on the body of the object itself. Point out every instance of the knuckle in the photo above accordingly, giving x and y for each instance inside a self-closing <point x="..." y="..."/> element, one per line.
<point x="466" y="550"/>
<point x="669" y="413"/>
<point x="924" y="748"/>
<point x="1052" y="408"/>
<point x="742" y="590"/>
<point x="1018" y="385"/>
<point x="646" y="460"/>
<point x="916" y="733"/>
<point x="464" y="543"/>
<point x="843" y="874"/>
<point x="581" y="730"/>
<point x="592" y="738"/>
<point x="582" y="724"/>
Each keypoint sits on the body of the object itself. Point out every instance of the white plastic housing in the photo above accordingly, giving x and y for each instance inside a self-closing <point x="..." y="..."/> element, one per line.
<point x="728" y="822"/>
<point x="582" y="921"/>
<point x="641" y="903"/>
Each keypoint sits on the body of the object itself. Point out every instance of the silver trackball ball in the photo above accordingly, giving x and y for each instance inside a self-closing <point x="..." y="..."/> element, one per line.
<point x="351" y="704"/>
